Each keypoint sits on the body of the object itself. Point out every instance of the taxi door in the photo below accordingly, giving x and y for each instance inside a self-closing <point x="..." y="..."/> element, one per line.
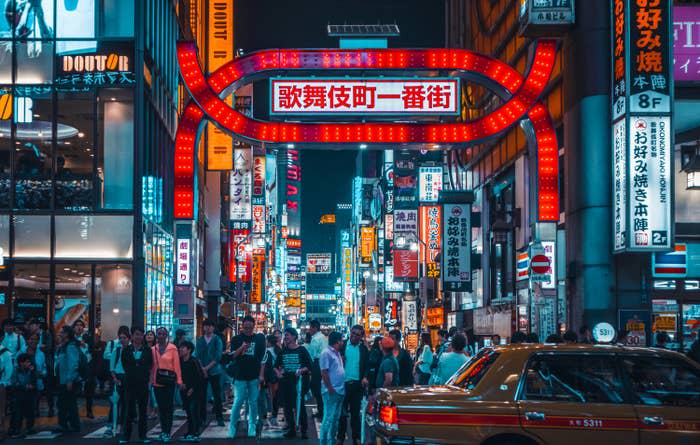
<point x="667" y="396"/>
<point x="575" y="399"/>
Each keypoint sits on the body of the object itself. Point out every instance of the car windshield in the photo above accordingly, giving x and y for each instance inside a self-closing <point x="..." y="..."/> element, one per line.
<point x="469" y="375"/>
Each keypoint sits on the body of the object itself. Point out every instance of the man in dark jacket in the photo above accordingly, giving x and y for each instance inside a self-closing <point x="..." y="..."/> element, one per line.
<point x="208" y="351"/>
<point x="137" y="361"/>
<point x="356" y="357"/>
<point x="404" y="359"/>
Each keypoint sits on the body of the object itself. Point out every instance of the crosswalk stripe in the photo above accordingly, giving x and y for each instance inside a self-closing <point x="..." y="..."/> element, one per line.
<point x="177" y="423"/>
<point x="43" y="435"/>
<point x="97" y="434"/>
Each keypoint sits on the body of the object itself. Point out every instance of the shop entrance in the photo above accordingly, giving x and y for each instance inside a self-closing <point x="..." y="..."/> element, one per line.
<point x="676" y="312"/>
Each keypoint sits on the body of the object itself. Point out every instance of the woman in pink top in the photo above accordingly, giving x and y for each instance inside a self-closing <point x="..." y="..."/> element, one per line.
<point x="165" y="376"/>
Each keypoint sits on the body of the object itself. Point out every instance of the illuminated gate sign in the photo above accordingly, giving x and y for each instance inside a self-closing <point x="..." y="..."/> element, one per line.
<point x="364" y="96"/>
<point x="521" y="100"/>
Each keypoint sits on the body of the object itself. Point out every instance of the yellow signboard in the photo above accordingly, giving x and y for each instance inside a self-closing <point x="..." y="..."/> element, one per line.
<point x="219" y="51"/>
<point x="664" y="323"/>
<point x="256" y="284"/>
<point x="367" y="244"/>
<point x="327" y="219"/>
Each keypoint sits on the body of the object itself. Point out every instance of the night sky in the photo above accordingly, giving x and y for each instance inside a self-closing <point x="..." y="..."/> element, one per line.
<point x="260" y="24"/>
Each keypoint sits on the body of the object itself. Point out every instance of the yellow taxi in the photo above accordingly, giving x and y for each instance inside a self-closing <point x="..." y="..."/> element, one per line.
<point x="535" y="394"/>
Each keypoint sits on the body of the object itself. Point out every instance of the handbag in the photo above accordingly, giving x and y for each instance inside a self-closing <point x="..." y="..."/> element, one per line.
<point x="164" y="377"/>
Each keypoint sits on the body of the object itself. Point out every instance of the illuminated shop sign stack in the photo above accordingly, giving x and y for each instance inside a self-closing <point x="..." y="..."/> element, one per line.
<point x="642" y="131"/>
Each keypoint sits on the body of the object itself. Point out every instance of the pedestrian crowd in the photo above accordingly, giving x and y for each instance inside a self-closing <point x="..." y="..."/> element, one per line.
<point x="147" y="373"/>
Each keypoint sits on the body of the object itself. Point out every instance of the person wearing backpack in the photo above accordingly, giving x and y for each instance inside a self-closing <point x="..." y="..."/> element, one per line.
<point x="67" y="366"/>
<point x="12" y="341"/>
<point x="6" y="370"/>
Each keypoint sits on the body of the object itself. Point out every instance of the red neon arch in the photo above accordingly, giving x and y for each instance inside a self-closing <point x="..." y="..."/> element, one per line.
<point x="525" y="93"/>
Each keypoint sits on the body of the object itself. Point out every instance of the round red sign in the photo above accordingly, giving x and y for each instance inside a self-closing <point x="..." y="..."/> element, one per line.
<point x="539" y="264"/>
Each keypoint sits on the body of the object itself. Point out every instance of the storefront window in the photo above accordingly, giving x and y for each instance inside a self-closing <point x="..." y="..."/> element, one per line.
<point x="5" y="59"/>
<point x="117" y="18"/>
<point x="75" y="152"/>
<point x="34" y="62"/>
<point x="75" y="19"/>
<point x="94" y="236"/>
<point x="31" y="290"/>
<point x="33" y="114"/>
<point x="73" y="295"/>
<point x="158" y="253"/>
<point x="113" y="290"/>
<point x="665" y="322"/>
<point x="32" y="236"/>
<point x="691" y="324"/>
<point x="4" y="239"/>
<point x="115" y="167"/>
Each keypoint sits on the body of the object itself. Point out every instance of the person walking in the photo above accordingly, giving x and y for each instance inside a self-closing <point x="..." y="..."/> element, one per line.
<point x="317" y="345"/>
<point x="333" y="388"/>
<point x="375" y="358"/>
<point x="193" y="391"/>
<point x="388" y="371"/>
<point x="450" y="362"/>
<point x="6" y="371"/>
<point x="424" y="359"/>
<point x="271" y="380"/>
<point x="116" y="369"/>
<point x="208" y="351"/>
<point x="67" y="364"/>
<point x="25" y="395"/>
<point x="38" y="358"/>
<point x="137" y="360"/>
<point x="293" y="364"/>
<point x="165" y="375"/>
<point x="247" y="350"/>
<point x="85" y="342"/>
<point x="356" y="370"/>
<point x="404" y="359"/>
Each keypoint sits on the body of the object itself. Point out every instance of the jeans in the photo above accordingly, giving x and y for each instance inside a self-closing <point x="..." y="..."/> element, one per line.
<point x="135" y="397"/>
<point x="3" y="406"/>
<point x="67" y="405"/>
<point x="164" y="396"/>
<point x="288" y="389"/>
<point x="332" y="405"/>
<point x="351" y="408"/>
<point x="316" y="386"/>
<point x="193" y="409"/>
<point x="244" y="390"/>
<point x="215" y="382"/>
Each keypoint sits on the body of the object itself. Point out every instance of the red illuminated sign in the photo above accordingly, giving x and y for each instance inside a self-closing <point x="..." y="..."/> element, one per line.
<point x="364" y="96"/>
<point x="524" y="93"/>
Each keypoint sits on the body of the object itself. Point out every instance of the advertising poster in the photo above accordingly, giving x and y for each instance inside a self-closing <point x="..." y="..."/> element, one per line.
<point x="392" y="313"/>
<point x="686" y="43"/>
<point x="26" y="309"/>
<point x="318" y="263"/>
<point x="69" y="310"/>
<point x="241" y="180"/>
<point x="636" y="322"/>
<point x="405" y="265"/>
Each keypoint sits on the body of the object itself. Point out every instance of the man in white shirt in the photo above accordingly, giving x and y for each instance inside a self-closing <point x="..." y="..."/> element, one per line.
<point x="333" y="388"/>
<point x="12" y="341"/>
<point x="318" y="344"/>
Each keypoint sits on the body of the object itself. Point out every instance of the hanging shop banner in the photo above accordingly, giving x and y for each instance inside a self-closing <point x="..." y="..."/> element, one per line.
<point x="650" y="194"/>
<point x="435" y="316"/>
<point x="375" y="321"/>
<point x="642" y="132"/>
<point x="410" y="315"/>
<point x="389" y="284"/>
<point x="406" y="221"/>
<point x="219" y="51"/>
<point x="405" y="181"/>
<point x="389" y="227"/>
<point x="550" y="252"/>
<point x="241" y="179"/>
<point x="239" y="258"/>
<point x="392" y="313"/>
<point x="456" y="254"/>
<point x="318" y="263"/>
<point x="368" y="244"/>
<point x="347" y="265"/>
<point x="259" y="176"/>
<point x="545" y="17"/>
<point x="293" y="192"/>
<point x="430" y="231"/>
<point x="367" y="96"/>
<point x="405" y="265"/>
<point x="258" y="219"/>
<point x="388" y="188"/>
<point x="430" y="183"/>
<point x="257" y="272"/>
<point x="183" y="262"/>
<point x="686" y="43"/>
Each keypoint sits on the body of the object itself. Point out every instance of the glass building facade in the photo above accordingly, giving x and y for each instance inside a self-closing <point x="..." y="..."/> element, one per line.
<point x="88" y="106"/>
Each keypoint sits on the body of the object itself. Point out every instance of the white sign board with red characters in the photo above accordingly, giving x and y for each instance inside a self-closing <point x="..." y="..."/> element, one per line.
<point x="378" y="96"/>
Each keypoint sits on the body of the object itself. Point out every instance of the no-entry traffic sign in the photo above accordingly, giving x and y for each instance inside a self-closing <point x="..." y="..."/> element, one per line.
<point x="539" y="264"/>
